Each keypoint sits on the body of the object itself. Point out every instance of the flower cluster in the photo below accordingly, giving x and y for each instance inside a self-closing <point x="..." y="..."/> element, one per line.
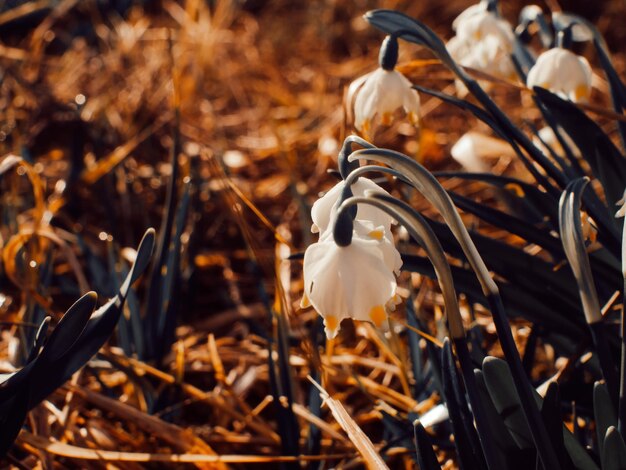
<point x="356" y="281"/>
<point x="483" y="42"/>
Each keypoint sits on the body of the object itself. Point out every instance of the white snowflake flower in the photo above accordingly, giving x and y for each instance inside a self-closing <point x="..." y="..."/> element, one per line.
<point x="473" y="148"/>
<point x="483" y="42"/>
<point x="563" y="73"/>
<point x="481" y="24"/>
<point x="378" y="95"/>
<point x="347" y="282"/>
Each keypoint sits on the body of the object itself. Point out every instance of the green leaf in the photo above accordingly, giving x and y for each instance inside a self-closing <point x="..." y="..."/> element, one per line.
<point x="606" y="161"/>
<point x="97" y="331"/>
<point x="12" y="415"/>
<point x="604" y="414"/>
<point x="551" y="414"/>
<point x="506" y="400"/>
<point x="465" y="438"/>
<point x="518" y="302"/>
<point x="500" y="432"/>
<point x="69" y="328"/>
<point x="613" y="451"/>
<point x="512" y="224"/>
<point x="534" y="205"/>
<point x="504" y="132"/>
<point x="426" y="457"/>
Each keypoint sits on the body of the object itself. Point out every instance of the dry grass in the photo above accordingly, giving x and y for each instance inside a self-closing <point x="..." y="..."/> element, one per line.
<point x="89" y="100"/>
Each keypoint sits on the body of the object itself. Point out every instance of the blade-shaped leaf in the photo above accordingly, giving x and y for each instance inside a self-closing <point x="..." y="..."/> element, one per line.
<point x="503" y="133"/>
<point x="12" y="416"/>
<point x="69" y="329"/>
<point x="97" y="331"/>
<point x="505" y="399"/>
<point x="426" y="457"/>
<point x="499" y="383"/>
<point x="613" y="451"/>
<point x="551" y="413"/>
<point x="605" y="160"/>
<point x="465" y="439"/>
<point x="604" y="414"/>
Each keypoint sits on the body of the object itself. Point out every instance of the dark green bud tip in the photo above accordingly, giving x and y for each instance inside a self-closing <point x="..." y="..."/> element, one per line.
<point x="388" y="55"/>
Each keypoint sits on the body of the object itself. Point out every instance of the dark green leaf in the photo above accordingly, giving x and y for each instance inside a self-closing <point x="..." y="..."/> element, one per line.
<point x="551" y="414"/>
<point x="604" y="414"/>
<point x="12" y="416"/>
<point x="506" y="400"/>
<point x="500" y="432"/>
<point x="426" y="457"/>
<point x="613" y="451"/>
<point x="465" y="438"/>
<point x="69" y="328"/>
<point x="97" y="331"/>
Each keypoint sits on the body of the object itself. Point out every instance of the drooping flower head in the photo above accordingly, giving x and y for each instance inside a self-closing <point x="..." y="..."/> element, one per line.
<point x="354" y="279"/>
<point x="379" y="94"/>
<point x="347" y="282"/>
<point x="473" y="148"/>
<point x="481" y="24"/>
<point x="484" y="42"/>
<point x="562" y="72"/>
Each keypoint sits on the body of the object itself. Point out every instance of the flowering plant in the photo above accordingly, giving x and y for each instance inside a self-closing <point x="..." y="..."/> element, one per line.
<point x="349" y="275"/>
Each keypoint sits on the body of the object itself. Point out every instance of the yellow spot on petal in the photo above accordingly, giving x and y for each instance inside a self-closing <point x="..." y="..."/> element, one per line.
<point x="305" y="302"/>
<point x="581" y="92"/>
<point x="386" y="119"/>
<point x="376" y="234"/>
<point x="478" y="34"/>
<point x="366" y="126"/>
<point x="413" y="118"/>
<point x="378" y="315"/>
<point x="331" y="322"/>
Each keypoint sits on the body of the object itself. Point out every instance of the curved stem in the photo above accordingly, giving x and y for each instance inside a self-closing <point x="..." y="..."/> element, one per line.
<point x="622" y="379"/>
<point x="602" y="346"/>
<point x="423" y="234"/>
<point x="426" y="183"/>
<point x="345" y="167"/>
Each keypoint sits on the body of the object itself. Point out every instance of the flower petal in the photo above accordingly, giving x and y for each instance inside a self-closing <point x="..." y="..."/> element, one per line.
<point x="323" y="210"/>
<point x="352" y="281"/>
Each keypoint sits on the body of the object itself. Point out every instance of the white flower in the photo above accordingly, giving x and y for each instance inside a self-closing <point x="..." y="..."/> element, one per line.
<point x="468" y="13"/>
<point x="380" y="94"/>
<point x="471" y="150"/>
<point x="323" y="209"/>
<point x="563" y="73"/>
<point x="489" y="56"/>
<point x="483" y="42"/>
<point x="347" y="282"/>
<point x="481" y="24"/>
